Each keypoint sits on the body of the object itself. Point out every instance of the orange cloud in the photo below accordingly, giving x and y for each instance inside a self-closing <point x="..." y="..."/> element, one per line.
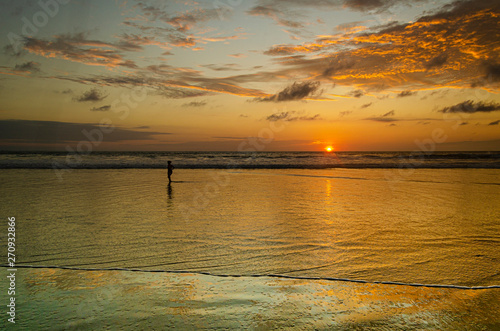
<point x="445" y="49"/>
<point x="77" y="49"/>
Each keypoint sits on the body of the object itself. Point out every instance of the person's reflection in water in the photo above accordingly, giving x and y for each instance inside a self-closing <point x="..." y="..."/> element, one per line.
<point x="169" y="190"/>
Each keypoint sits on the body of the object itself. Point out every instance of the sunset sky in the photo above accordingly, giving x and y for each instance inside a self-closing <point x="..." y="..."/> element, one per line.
<point x="360" y="75"/>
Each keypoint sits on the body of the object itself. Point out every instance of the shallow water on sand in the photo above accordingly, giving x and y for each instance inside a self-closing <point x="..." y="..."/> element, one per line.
<point x="432" y="226"/>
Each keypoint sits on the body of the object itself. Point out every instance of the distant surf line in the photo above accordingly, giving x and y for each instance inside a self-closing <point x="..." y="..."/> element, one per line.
<point x="262" y="276"/>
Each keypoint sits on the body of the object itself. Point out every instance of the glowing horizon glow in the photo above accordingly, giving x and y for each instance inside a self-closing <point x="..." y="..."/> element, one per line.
<point x="329" y="149"/>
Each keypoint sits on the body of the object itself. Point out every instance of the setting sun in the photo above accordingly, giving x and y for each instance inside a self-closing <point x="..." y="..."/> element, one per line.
<point x="329" y="149"/>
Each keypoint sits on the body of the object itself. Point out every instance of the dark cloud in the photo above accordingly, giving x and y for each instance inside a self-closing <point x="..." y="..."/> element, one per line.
<point x="182" y="41"/>
<point x="381" y="119"/>
<point x="28" y="66"/>
<point x="384" y="118"/>
<point x="357" y="93"/>
<point x="470" y="106"/>
<point x="387" y="26"/>
<point x="53" y="132"/>
<point x="492" y="71"/>
<point x="366" y="105"/>
<point x="406" y="94"/>
<point x="437" y="61"/>
<point x="495" y="123"/>
<point x="92" y="95"/>
<point x="232" y="138"/>
<point x="296" y="91"/>
<point x="133" y="42"/>
<point x="195" y="104"/>
<point x="336" y="67"/>
<point x="277" y="116"/>
<point x="102" y="108"/>
<point x="179" y="93"/>
<point x="290" y="116"/>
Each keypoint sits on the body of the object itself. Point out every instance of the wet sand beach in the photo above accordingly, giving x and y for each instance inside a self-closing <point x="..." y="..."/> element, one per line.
<point x="55" y="299"/>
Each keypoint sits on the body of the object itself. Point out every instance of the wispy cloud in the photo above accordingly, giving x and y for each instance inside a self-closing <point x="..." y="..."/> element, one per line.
<point x="470" y="106"/>
<point x="357" y="93"/>
<point x="495" y="123"/>
<point x="377" y="5"/>
<point x="102" y="108"/>
<point x="173" y="82"/>
<point x="384" y="118"/>
<point x="381" y="119"/>
<point x="288" y="12"/>
<point x="278" y="15"/>
<point x="291" y="116"/>
<point x="221" y="67"/>
<point x="77" y="48"/>
<point x="180" y="27"/>
<point x="29" y="66"/>
<point x="92" y="95"/>
<point x="185" y="21"/>
<point x="296" y="91"/>
<point x="406" y="94"/>
<point x="195" y="104"/>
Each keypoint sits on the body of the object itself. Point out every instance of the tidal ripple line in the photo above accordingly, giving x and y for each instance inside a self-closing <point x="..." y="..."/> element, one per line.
<point x="259" y="276"/>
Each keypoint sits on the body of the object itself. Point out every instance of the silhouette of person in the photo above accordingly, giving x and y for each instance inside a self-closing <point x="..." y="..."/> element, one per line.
<point x="170" y="168"/>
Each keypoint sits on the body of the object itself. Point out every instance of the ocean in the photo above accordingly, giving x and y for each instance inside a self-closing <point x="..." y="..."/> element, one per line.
<point x="244" y="240"/>
<point x="248" y="160"/>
